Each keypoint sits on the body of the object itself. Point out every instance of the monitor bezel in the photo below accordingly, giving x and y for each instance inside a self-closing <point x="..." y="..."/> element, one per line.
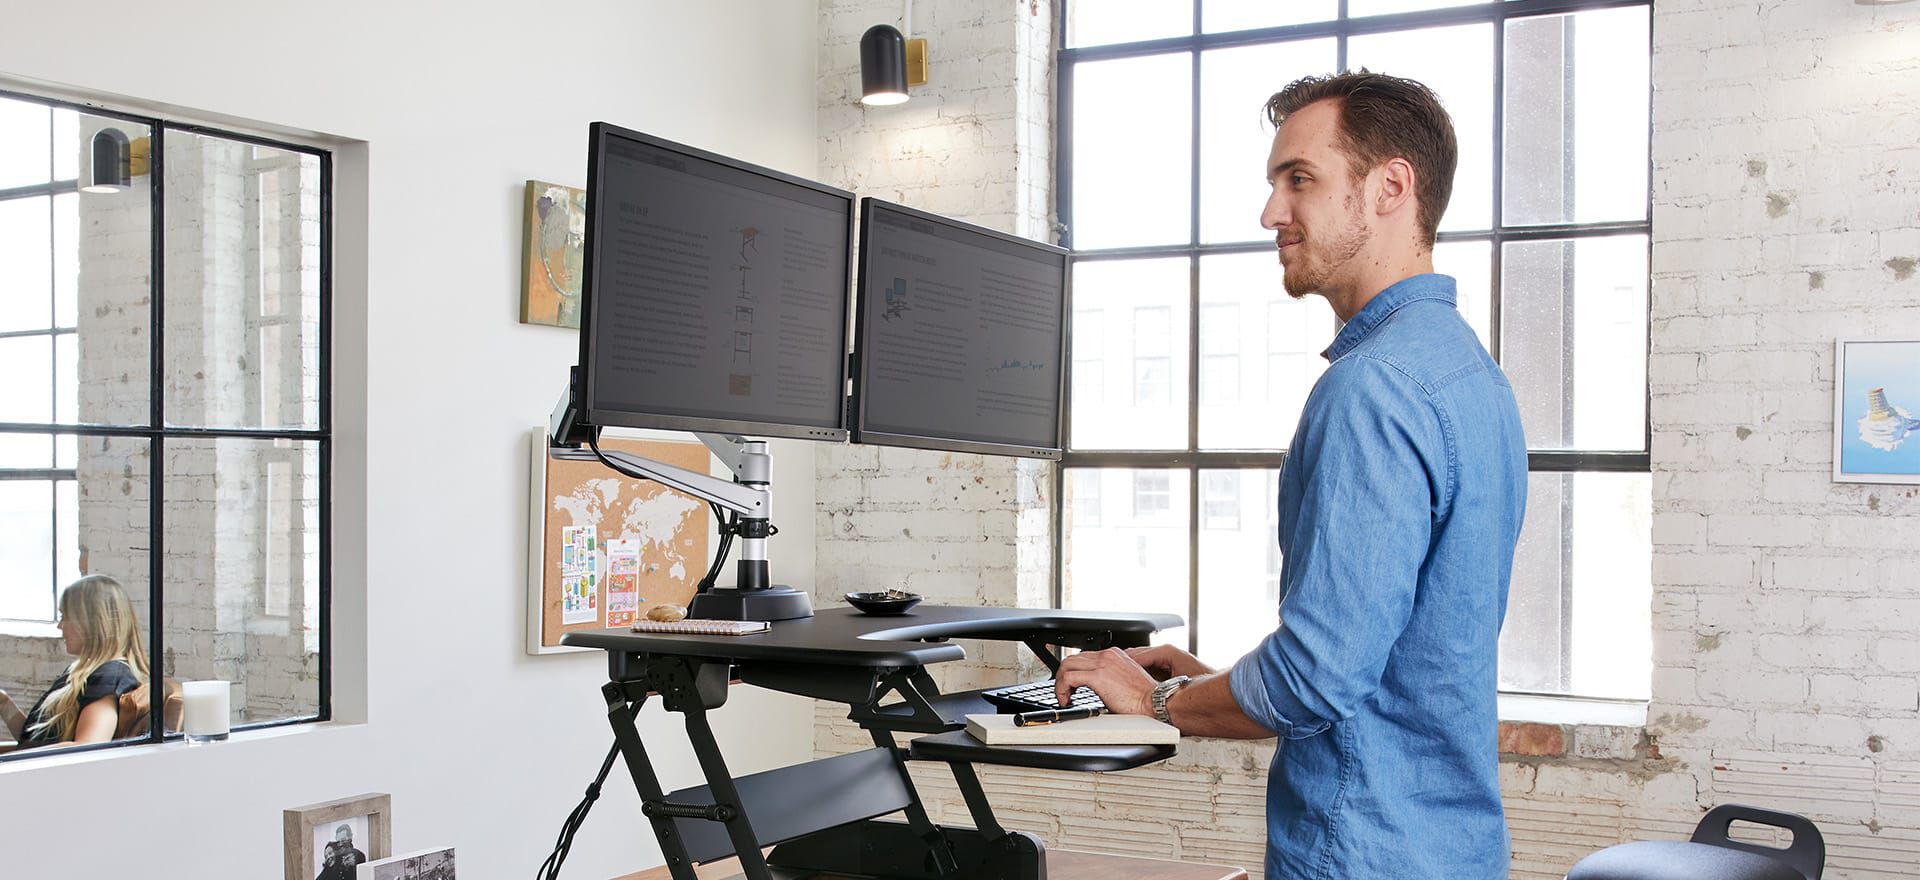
<point x="857" y="401"/>
<point x="598" y="134"/>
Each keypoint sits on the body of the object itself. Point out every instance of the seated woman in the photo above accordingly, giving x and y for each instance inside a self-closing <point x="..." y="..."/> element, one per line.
<point x="110" y="659"/>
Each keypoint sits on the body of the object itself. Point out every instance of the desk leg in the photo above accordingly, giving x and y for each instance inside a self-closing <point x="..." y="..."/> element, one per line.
<point x="620" y="716"/>
<point x="753" y="863"/>
<point x="936" y="840"/>
<point x="976" y="798"/>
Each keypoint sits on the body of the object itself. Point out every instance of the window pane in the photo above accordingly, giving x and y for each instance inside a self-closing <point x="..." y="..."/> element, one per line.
<point x="26" y="549"/>
<point x="27" y="364"/>
<point x="27" y="451"/>
<point x="114" y="235"/>
<point x="243" y="522"/>
<point x="1281" y="339"/>
<point x="1579" y="609"/>
<point x="1128" y="560"/>
<point x="26" y="263"/>
<point x="25" y="157"/>
<point x="1100" y="22"/>
<point x="66" y="364"/>
<point x="1218" y="16"/>
<point x="1574" y="340"/>
<point x="1239" y="565"/>
<point x="1471" y="265"/>
<point x="1133" y="148"/>
<point x="1457" y="64"/>
<point x="1142" y="310"/>
<point x="1576" y="130"/>
<point x="1358" y="8"/>
<point x="66" y="258"/>
<point x="90" y="521"/>
<point x="1235" y="136"/>
<point x="1085" y="499"/>
<point x="244" y="352"/>
<point x="66" y="144"/>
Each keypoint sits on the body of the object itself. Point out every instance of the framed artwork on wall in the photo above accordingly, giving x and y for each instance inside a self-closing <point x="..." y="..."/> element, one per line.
<point x="1876" y="399"/>
<point x="556" y="225"/>
<point x="331" y="839"/>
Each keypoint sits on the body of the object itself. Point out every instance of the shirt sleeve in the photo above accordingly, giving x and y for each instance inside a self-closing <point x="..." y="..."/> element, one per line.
<point x="112" y="679"/>
<point x="1376" y="475"/>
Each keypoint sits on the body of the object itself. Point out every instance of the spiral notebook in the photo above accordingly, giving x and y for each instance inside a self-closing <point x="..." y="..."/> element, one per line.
<point x="703" y="627"/>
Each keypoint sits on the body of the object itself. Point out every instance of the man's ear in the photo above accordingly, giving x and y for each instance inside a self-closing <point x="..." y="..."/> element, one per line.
<point x="1396" y="186"/>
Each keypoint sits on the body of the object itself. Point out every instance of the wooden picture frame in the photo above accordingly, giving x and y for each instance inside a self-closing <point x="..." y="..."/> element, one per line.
<point x="301" y="825"/>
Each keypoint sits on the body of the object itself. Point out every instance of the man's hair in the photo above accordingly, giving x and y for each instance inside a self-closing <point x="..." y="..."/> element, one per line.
<point x="1383" y="117"/>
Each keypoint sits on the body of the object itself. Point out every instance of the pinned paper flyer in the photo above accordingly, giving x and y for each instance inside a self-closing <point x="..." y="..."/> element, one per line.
<point x="579" y="587"/>
<point x="623" y="582"/>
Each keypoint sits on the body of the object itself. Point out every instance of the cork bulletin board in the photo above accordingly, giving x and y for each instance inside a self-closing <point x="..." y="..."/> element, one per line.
<point x="602" y="548"/>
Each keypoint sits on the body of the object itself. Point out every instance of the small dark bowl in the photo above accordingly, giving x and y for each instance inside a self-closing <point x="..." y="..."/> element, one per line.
<point x="883" y="602"/>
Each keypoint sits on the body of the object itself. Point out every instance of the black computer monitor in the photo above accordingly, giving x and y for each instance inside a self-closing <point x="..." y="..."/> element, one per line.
<point x="715" y="293"/>
<point x="959" y="336"/>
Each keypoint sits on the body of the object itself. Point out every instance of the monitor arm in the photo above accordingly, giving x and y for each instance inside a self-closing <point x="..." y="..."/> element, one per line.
<point x="748" y="494"/>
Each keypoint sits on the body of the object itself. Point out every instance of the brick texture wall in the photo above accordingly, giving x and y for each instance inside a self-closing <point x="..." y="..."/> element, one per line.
<point x="1786" y="606"/>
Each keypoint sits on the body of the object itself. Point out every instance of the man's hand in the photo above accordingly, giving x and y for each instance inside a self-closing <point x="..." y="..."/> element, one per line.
<point x="1121" y="682"/>
<point x="1166" y="661"/>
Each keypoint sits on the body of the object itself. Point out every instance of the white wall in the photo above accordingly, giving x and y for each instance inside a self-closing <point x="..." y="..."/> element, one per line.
<point x="438" y="114"/>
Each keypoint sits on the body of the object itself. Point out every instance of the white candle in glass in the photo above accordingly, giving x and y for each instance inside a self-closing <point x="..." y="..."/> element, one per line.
<point x="208" y="710"/>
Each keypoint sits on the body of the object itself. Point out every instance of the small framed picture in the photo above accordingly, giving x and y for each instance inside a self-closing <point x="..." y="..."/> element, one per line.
<point x="1876" y="411"/>
<point x="331" y="840"/>
<point x="427" y="864"/>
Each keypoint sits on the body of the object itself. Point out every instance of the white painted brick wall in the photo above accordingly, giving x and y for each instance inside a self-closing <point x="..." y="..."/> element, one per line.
<point x="1786" y="607"/>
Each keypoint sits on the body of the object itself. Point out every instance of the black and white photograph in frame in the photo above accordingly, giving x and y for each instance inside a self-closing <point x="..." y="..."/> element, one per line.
<point x="339" y="847"/>
<point x="428" y="864"/>
<point x="330" y="840"/>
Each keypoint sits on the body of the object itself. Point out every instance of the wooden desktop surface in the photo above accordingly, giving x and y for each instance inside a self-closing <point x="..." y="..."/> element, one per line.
<point x="1061" y="865"/>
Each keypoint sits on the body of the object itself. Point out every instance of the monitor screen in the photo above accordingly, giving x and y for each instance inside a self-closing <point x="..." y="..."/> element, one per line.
<point x="959" y="336"/>
<point x="715" y="293"/>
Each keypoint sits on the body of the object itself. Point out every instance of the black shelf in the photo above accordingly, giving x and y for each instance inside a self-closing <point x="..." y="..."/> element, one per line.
<point x="960" y="746"/>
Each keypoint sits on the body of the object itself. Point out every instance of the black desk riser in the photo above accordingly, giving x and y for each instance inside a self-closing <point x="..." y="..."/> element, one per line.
<point x="820" y="816"/>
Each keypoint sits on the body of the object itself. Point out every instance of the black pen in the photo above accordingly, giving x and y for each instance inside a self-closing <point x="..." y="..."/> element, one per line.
<point x="1049" y="716"/>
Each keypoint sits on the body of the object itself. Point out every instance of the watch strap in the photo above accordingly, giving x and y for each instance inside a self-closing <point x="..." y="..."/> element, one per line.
<point x="1163" y="692"/>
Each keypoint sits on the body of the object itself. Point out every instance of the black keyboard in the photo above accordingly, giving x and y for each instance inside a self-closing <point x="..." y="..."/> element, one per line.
<point x="1035" y="696"/>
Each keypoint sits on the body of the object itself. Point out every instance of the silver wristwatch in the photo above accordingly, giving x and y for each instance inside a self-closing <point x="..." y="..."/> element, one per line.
<point x="1161" y="692"/>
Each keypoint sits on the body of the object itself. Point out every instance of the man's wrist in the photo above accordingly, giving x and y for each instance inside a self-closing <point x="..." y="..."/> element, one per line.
<point x="1162" y="697"/>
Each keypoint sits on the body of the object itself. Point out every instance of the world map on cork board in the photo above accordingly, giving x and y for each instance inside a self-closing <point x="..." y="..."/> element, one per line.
<point x="605" y="548"/>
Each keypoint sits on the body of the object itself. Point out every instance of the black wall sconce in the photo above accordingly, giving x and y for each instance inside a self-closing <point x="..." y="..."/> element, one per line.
<point x="116" y="160"/>
<point x="889" y="63"/>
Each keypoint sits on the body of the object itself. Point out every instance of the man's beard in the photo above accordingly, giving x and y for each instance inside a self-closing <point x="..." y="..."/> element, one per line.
<point x="1310" y="272"/>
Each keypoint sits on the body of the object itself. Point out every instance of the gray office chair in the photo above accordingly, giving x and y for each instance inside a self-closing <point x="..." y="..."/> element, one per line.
<point x="1712" y="855"/>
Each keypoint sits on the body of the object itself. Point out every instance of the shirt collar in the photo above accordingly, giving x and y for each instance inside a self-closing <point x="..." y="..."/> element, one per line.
<point x="1385" y="303"/>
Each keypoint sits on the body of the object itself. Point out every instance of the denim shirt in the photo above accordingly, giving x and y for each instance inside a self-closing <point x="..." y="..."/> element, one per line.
<point x="1400" y="504"/>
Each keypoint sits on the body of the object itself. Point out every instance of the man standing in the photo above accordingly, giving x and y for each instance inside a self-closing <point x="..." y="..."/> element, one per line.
<point x="1400" y="505"/>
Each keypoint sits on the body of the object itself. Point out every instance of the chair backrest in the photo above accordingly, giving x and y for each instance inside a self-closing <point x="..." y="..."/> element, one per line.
<point x="136" y="709"/>
<point x="1806" y="854"/>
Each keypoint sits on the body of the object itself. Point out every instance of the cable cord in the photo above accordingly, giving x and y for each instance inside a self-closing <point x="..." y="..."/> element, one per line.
<point x="550" y="869"/>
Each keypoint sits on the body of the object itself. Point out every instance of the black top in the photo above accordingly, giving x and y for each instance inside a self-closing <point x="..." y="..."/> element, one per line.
<point x="112" y="679"/>
<point x="845" y="637"/>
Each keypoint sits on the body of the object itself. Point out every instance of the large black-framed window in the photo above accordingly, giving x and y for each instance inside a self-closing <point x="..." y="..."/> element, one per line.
<point x="186" y="430"/>
<point x="1161" y="143"/>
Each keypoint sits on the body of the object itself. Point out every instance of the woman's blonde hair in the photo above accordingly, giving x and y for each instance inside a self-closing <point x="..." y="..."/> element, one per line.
<point x="96" y="607"/>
